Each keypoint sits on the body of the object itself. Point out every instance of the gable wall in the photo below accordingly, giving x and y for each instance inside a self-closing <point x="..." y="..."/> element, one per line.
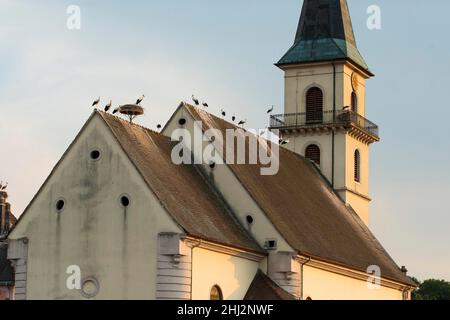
<point x="117" y="246"/>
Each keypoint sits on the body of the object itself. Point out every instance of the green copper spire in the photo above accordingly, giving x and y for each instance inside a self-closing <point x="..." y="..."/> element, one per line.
<point x="324" y="33"/>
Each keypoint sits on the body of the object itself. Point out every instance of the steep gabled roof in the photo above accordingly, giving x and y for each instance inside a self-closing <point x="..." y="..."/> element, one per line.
<point x="181" y="189"/>
<point x="264" y="288"/>
<point x="324" y="33"/>
<point x="307" y="212"/>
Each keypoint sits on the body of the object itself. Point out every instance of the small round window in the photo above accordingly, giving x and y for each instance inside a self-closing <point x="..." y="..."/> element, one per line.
<point x="124" y="201"/>
<point x="95" y="155"/>
<point x="182" y="121"/>
<point x="212" y="164"/>
<point x="90" y="288"/>
<point x="249" y="219"/>
<point x="60" y="204"/>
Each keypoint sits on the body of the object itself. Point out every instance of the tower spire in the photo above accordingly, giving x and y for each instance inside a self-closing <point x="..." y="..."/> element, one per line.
<point x="324" y="33"/>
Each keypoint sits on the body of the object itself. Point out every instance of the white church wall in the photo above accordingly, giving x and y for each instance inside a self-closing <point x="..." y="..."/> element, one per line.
<point x="115" y="246"/>
<point x="299" y="143"/>
<point x="299" y="81"/>
<point x="231" y="273"/>
<point x="349" y="70"/>
<point x="319" y="284"/>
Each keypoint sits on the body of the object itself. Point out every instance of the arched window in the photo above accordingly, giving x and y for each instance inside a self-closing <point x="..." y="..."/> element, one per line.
<point x="216" y="293"/>
<point x="314" y="106"/>
<point x="357" y="166"/>
<point x="354" y="102"/>
<point x="312" y="153"/>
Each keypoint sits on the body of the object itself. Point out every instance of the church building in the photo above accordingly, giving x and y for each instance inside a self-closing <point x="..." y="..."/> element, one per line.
<point x="120" y="215"/>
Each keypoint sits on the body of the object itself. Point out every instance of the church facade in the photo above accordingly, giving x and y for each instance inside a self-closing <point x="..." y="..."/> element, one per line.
<point x="118" y="219"/>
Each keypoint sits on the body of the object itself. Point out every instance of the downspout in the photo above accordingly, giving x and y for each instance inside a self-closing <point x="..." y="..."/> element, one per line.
<point x="332" y="131"/>
<point x="301" y="277"/>
<point x="198" y="244"/>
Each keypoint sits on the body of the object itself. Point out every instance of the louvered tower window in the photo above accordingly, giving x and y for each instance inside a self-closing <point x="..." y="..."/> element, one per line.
<point x="312" y="153"/>
<point x="314" y="106"/>
<point x="354" y="102"/>
<point x="357" y="166"/>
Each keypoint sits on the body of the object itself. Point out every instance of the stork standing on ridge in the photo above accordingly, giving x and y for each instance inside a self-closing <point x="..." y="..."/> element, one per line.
<point x="195" y="100"/>
<point x="138" y="101"/>
<point x="96" y="102"/>
<point x="116" y="110"/>
<point x="108" y="106"/>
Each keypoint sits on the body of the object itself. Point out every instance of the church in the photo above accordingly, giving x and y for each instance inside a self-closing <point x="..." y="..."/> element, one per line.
<point x="120" y="215"/>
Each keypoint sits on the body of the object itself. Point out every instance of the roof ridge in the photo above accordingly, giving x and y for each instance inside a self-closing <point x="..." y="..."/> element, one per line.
<point x="222" y="120"/>
<point x="103" y="113"/>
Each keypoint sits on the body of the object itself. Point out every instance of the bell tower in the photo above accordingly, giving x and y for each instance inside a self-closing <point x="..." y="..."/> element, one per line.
<point x="324" y="114"/>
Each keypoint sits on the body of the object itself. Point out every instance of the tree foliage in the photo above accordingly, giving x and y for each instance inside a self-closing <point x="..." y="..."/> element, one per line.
<point x="432" y="289"/>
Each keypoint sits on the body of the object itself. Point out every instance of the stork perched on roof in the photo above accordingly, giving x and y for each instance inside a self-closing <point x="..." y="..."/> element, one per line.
<point x="138" y="101"/>
<point x="158" y="126"/>
<point x="233" y="118"/>
<point x="205" y="104"/>
<point x="3" y="187"/>
<point x="108" y="106"/>
<point x="96" y="102"/>
<point x="223" y="113"/>
<point x="242" y="122"/>
<point x="197" y="103"/>
<point x="116" y="110"/>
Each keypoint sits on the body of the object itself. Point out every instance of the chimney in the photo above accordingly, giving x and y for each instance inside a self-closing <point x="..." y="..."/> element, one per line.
<point x="404" y="270"/>
<point x="5" y="213"/>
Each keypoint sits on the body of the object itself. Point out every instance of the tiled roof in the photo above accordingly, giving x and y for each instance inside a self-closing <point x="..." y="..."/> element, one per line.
<point x="181" y="189"/>
<point x="263" y="288"/>
<point x="307" y="212"/>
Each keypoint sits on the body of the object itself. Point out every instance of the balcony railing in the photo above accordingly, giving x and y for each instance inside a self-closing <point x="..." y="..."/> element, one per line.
<point x="344" y="118"/>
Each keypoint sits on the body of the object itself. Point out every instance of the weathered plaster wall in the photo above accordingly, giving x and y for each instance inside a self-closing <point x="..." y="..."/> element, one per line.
<point x="117" y="246"/>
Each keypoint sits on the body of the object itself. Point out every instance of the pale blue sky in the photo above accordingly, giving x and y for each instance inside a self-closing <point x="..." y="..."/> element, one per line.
<point x="223" y="51"/>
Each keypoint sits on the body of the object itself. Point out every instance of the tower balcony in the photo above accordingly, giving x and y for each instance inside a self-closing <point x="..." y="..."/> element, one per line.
<point x="308" y="122"/>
